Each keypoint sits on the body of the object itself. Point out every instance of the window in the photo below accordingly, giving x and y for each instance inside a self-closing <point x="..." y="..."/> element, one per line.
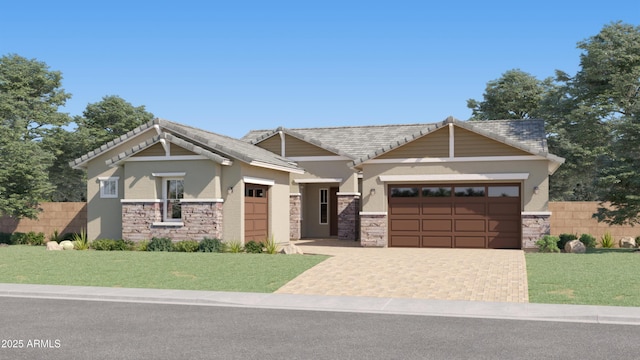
<point x="404" y="192"/>
<point x="173" y="190"/>
<point x="324" y="206"/>
<point x="504" y="191"/>
<point x="436" y="191"/>
<point x="109" y="187"/>
<point x="476" y="191"/>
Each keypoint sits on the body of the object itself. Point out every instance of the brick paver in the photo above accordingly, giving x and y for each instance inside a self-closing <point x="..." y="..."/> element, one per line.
<point x="444" y="274"/>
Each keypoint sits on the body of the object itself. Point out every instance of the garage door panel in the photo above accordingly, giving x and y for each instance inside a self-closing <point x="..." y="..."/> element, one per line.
<point x="437" y="241"/>
<point x="505" y="241"/>
<point x="437" y="225"/>
<point x="405" y="209"/>
<point x="470" y="209"/>
<point x="504" y="208"/>
<point x="405" y="241"/>
<point x="437" y="209"/>
<point x="504" y="225"/>
<point x="405" y="225"/>
<point x="470" y="242"/>
<point x="470" y="225"/>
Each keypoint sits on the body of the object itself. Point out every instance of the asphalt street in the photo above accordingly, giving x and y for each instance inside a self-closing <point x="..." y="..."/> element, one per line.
<point x="76" y="329"/>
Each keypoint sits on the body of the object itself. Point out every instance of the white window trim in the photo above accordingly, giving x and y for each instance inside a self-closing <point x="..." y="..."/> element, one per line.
<point x="102" y="181"/>
<point x="165" y="201"/>
<point x="169" y="174"/>
<point x="320" y="206"/>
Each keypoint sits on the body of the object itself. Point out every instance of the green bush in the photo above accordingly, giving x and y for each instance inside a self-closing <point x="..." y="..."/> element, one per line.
<point x="5" y="238"/>
<point x="34" y="238"/>
<point x="112" y="245"/>
<point x="67" y="236"/>
<point x="55" y="236"/>
<point x="80" y="241"/>
<point x="234" y="246"/>
<point x="253" y="247"/>
<point x="186" y="246"/>
<point x="19" y="238"/>
<point x="564" y="239"/>
<point x="548" y="243"/>
<point x="141" y="245"/>
<point x="588" y="241"/>
<point x="211" y="245"/>
<point x="271" y="246"/>
<point x="606" y="241"/>
<point x="160" y="244"/>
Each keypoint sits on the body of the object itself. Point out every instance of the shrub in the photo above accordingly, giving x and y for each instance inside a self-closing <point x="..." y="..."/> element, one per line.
<point x="160" y="244"/>
<point x="271" y="246"/>
<point x="67" y="236"/>
<point x="588" y="240"/>
<point x="112" y="245"/>
<point x="80" y="241"/>
<point x="140" y="245"/>
<point x="548" y="243"/>
<point x="186" y="246"/>
<point x="34" y="238"/>
<point x="564" y="239"/>
<point x="55" y="236"/>
<point x="253" y="247"/>
<point x="606" y="241"/>
<point x="19" y="238"/>
<point x="234" y="246"/>
<point x="211" y="245"/>
<point x="5" y="238"/>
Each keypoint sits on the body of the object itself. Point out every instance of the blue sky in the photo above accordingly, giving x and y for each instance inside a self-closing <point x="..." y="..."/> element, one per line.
<point x="233" y="66"/>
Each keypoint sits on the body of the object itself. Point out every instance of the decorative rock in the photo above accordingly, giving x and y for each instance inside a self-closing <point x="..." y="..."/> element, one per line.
<point x="291" y="249"/>
<point x="575" y="246"/>
<point x="628" y="242"/>
<point x="52" y="245"/>
<point x="66" y="245"/>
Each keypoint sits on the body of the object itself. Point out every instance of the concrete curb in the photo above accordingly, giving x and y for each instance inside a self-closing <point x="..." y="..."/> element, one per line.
<point x="396" y="306"/>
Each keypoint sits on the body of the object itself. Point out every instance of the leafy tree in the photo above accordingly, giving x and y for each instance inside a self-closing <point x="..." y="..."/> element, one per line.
<point x="69" y="184"/>
<point x="515" y="95"/>
<point x="110" y="118"/>
<point x="30" y="95"/>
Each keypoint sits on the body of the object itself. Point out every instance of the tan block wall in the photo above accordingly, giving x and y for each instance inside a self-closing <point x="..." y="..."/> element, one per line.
<point x="64" y="217"/>
<point x="575" y="217"/>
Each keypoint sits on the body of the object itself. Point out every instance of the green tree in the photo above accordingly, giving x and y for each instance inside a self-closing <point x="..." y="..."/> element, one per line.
<point x="110" y="118"/>
<point x="30" y="95"/>
<point x="515" y="95"/>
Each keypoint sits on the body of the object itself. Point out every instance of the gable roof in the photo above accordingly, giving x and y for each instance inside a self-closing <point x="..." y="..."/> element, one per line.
<point x="361" y="143"/>
<point x="214" y="146"/>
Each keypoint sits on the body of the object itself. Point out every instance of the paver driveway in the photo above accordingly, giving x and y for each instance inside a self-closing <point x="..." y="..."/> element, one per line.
<point x="445" y="274"/>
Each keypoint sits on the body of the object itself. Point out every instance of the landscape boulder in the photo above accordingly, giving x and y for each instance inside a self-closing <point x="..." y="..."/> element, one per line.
<point x="66" y="245"/>
<point x="53" y="245"/>
<point x="291" y="249"/>
<point x="628" y="242"/>
<point x="575" y="246"/>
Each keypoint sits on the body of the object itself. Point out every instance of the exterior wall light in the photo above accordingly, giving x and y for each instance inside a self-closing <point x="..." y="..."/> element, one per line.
<point x="372" y="191"/>
<point x="230" y="190"/>
<point x="536" y="190"/>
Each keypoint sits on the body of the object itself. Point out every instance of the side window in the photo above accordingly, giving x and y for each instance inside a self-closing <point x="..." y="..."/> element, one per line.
<point x="109" y="187"/>
<point x="324" y="206"/>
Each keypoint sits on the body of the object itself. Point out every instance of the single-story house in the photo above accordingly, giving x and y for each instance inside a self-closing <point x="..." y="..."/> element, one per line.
<point x="478" y="184"/>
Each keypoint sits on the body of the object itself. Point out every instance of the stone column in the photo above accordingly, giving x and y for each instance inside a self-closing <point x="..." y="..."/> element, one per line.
<point x="534" y="226"/>
<point x="295" y="216"/>
<point x="348" y="209"/>
<point x="373" y="229"/>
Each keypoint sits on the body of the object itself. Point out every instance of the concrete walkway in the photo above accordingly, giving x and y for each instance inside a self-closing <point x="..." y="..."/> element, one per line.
<point x="442" y="274"/>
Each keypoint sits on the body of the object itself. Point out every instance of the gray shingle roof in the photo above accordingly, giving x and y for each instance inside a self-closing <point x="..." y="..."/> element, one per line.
<point x="208" y="143"/>
<point x="361" y="143"/>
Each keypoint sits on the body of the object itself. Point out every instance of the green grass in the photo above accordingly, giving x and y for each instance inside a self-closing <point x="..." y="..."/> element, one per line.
<point x="161" y="270"/>
<point x="600" y="277"/>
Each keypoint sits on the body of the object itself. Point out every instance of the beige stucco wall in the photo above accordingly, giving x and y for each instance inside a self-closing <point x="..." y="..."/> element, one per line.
<point x="104" y="216"/>
<point x="327" y="169"/>
<point x="200" y="180"/>
<point x="537" y="170"/>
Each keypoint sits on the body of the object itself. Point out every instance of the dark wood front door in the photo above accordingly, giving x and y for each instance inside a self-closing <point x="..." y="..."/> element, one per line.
<point x="256" y="213"/>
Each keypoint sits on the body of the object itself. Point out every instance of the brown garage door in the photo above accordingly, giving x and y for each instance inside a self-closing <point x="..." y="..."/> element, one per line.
<point x="256" y="213"/>
<point x="459" y="216"/>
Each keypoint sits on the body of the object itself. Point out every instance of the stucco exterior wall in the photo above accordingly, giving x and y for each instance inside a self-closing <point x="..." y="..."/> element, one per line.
<point x="537" y="170"/>
<point x="104" y="216"/>
<point x="327" y="169"/>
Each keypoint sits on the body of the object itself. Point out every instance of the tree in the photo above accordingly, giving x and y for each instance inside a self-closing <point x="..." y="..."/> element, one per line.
<point x="30" y="95"/>
<point x="515" y="95"/>
<point x="110" y="118"/>
<point x="609" y="81"/>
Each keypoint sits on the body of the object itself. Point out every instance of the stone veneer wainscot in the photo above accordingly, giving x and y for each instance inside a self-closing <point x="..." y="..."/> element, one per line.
<point x="348" y="209"/>
<point x="534" y="226"/>
<point x="373" y="229"/>
<point x="142" y="220"/>
<point x="295" y="216"/>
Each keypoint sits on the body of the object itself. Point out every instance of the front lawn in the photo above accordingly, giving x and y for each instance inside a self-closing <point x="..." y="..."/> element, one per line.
<point x="600" y="277"/>
<point x="161" y="270"/>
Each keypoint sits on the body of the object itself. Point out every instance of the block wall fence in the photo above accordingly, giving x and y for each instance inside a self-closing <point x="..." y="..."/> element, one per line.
<point x="573" y="217"/>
